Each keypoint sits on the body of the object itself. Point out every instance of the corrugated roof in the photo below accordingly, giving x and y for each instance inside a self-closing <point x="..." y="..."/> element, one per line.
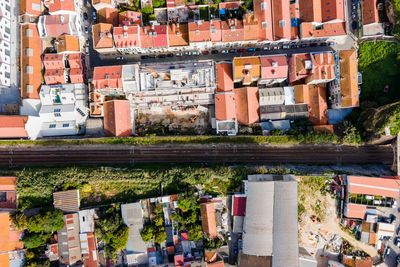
<point x="67" y="201"/>
<point x="385" y="187"/>
<point x="13" y="126"/>
<point x="239" y="205"/>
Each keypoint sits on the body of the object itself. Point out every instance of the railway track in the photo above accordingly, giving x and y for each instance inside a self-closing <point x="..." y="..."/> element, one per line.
<point x="123" y="154"/>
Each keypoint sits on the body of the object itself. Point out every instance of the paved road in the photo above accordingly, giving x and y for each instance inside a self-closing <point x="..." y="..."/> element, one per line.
<point x="257" y="154"/>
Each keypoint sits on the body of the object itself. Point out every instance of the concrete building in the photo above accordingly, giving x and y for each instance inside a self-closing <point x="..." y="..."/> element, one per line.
<point x="270" y="236"/>
<point x="68" y="241"/>
<point x="5" y="43"/>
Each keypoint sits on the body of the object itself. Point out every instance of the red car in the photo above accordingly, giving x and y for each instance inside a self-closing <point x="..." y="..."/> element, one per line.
<point x="205" y="52"/>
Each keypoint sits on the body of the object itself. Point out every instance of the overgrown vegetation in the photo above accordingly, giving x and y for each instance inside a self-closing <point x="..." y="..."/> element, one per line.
<point x="379" y="63"/>
<point x="111" y="230"/>
<point x="155" y="230"/>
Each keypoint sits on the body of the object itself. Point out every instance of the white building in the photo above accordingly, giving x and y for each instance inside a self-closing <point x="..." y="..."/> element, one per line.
<point x="99" y="4"/>
<point x="57" y="25"/>
<point x="63" y="111"/>
<point x="5" y="43"/>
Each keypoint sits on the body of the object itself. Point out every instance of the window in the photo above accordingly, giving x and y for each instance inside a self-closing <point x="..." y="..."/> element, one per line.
<point x="282" y="23"/>
<point x="57" y="114"/>
<point x="263" y="6"/>
<point x="29" y="89"/>
<point x="28" y="32"/>
<point x="29" y="52"/>
<point x="264" y="24"/>
<point x="57" y="110"/>
<point x="65" y="125"/>
<point x="52" y="126"/>
<point x="7" y="52"/>
<point x="3" y="196"/>
<point x="29" y="69"/>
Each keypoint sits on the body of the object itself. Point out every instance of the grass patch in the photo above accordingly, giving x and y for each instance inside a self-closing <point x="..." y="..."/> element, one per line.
<point x="379" y="63"/>
<point x="315" y="138"/>
<point x="101" y="185"/>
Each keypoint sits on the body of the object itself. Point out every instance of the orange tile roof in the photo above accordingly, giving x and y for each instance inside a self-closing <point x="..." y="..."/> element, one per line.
<point x="53" y="61"/>
<point x="356" y="211"/>
<point x="246" y="69"/>
<point x="385" y="187"/>
<point x="232" y="30"/>
<point x="348" y="78"/>
<point x="154" y="36"/>
<point x="9" y="183"/>
<point x="61" y="5"/>
<point x="107" y="77"/>
<point x="102" y="36"/>
<point x="230" y="5"/>
<point x="215" y="31"/>
<point x="281" y="19"/>
<point x="34" y="79"/>
<point x="108" y="15"/>
<point x="75" y="60"/>
<point x="13" y="127"/>
<point x="263" y="14"/>
<point x="126" y="36"/>
<point x="315" y="97"/>
<point x="369" y="12"/>
<point x="323" y="67"/>
<point x="274" y="67"/>
<point x="208" y="220"/>
<point x="250" y="27"/>
<point x="129" y="17"/>
<point x="8" y="236"/>
<point x="321" y="10"/>
<point x="247" y="105"/>
<point x="54" y="76"/>
<point x="225" y="106"/>
<point x="117" y="119"/>
<point x="308" y="29"/>
<point x="178" y="34"/>
<point x="30" y="7"/>
<point x="224" y="76"/>
<point x="300" y="66"/>
<point x="67" y="43"/>
<point x="199" y="31"/>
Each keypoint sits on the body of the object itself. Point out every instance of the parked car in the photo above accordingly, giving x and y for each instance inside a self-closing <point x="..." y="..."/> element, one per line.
<point x="195" y="53"/>
<point x="397" y="241"/>
<point x="119" y="58"/>
<point x="331" y="43"/>
<point x="224" y="51"/>
<point x="313" y="44"/>
<point x="187" y="53"/>
<point x="323" y="44"/>
<point x="398" y="259"/>
<point x="251" y="49"/>
<point x="144" y="57"/>
<point x="170" y="55"/>
<point x="205" y="52"/>
<point x="87" y="42"/>
<point x="86" y="28"/>
<point x="232" y="50"/>
<point x="241" y="50"/>
<point x="162" y="56"/>
<point x="87" y="50"/>
<point x="294" y="46"/>
<point x="94" y="15"/>
<point x="214" y="52"/>
<point x="354" y="25"/>
<point x="258" y="49"/>
<point x="85" y="16"/>
<point x="303" y="45"/>
<point x="152" y="56"/>
<point x="267" y="47"/>
<point x="179" y="54"/>
<point x="228" y="235"/>
<point x="285" y="46"/>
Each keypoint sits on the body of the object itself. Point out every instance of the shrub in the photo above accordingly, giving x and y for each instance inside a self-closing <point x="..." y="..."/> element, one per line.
<point x="34" y="240"/>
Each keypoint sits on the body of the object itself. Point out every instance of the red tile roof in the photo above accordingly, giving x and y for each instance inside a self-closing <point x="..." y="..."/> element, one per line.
<point x="154" y="36"/>
<point x="126" y="36"/>
<point x="224" y="76"/>
<point x="91" y="260"/>
<point x="315" y="97"/>
<point x="215" y="31"/>
<point x="239" y="205"/>
<point x="130" y="18"/>
<point x="76" y="75"/>
<point x="13" y="127"/>
<point x="8" y="183"/>
<point x="369" y="12"/>
<point x="332" y="9"/>
<point x="57" y="25"/>
<point x="102" y="36"/>
<point x="107" y="77"/>
<point x="61" y="5"/>
<point x="199" y="31"/>
<point x="117" y="119"/>
<point x="356" y="211"/>
<point x="247" y="105"/>
<point x="232" y="30"/>
<point x="225" y="106"/>
<point x="274" y="67"/>
<point x="263" y="14"/>
<point x="108" y="15"/>
<point x="30" y="7"/>
<point x="281" y="19"/>
<point x="9" y="237"/>
<point x="54" y="76"/>
<point x="321" y="11"/>
<point x="53" y="61"/>
<point x="323" y="67"/>
<point x="230" y="5"/>
<point x="385" y="187"/>
<point x="75" y="60"/>
<point x="208" y="220"/>
<point x="300" y="66"/>
<point x="308" y="29"/>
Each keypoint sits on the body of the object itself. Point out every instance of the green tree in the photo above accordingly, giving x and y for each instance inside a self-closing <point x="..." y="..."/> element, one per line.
<point x="34" y="240"/>
<point x="120" y="238"/>
<point x="47" y="221"/>
<point x="160" y="236"/>
<point x="147" y="10"/>
<point x="213" y="243"/>
<point x="159" y="3"/>
<point x="147" y="233"/>
<point x="195" y="232"/>
<point x="19" y="220"/>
